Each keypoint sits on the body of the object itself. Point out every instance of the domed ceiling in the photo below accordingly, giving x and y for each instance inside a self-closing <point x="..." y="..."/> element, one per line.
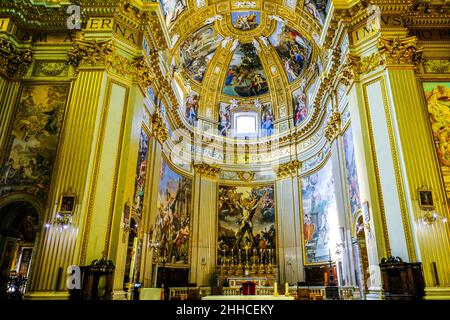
<point x="256" y="56"/>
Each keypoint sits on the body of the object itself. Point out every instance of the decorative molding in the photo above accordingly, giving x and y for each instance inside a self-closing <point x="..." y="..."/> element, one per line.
<point x="205" y="169"/>
<point x="159" y="129"/>
<point x="287" y="169"/>
<point x="45" y="68"/>
<point x="333" y="127"/>
<point x="437" y="66"/>
<point x="14" y="62"/>
<point x="246" y="175"/>
<point x="400" y="50"/>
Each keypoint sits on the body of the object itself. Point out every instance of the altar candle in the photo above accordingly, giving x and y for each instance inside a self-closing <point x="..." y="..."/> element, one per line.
<point x="275" y="288"/>
<point x="286" y="290"/>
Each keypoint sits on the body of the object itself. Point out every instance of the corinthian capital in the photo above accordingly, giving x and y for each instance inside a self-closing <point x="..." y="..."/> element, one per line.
<point x="400" y="50"/>
<point x="207" y="169"/>
<point x="13" y="62"/>
<point x="287" y="169"/>
<point x="90" y="53"/>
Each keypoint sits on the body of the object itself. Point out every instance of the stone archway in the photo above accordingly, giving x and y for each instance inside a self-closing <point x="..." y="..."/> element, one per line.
<point x="20" y="223"/>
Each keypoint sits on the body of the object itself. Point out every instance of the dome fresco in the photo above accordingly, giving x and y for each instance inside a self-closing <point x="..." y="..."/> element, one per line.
<point x="245" y="75"/>
<point x="197" y="50"/>
<point x="294" y="50"/>
<point x="246" y="54"/>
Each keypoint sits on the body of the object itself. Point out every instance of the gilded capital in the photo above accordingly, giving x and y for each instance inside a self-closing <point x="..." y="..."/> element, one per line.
<point x="400" y="50"/>
<point x="287" y="169"/>
<point x="159" y="129"/>
<point x="333" y="127"/>
<point x="14" y="62"/>
<point x="90" y="54"/>
<point x="205" y="169"/>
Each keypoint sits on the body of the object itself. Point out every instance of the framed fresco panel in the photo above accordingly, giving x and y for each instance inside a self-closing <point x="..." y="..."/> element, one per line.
<point x="437" y="98"/>
<point x="28" y="164"/>
<point x="320" y="226"/>
<point x="351" y="173"/>
<point x="173" y="218"/>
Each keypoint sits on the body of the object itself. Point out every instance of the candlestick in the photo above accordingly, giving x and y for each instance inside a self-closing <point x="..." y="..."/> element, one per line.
<point x="275" y="289"/>
<point x="286" y="290"/>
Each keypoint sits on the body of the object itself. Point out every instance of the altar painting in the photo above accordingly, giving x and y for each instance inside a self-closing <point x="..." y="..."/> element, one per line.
<point x="246" y="218"/>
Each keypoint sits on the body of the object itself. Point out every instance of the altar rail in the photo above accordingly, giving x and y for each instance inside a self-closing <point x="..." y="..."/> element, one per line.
<point x="301" y="293"/>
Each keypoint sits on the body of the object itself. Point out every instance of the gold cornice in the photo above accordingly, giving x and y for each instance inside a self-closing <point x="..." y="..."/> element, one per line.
<point x="14" y="62"/>
<point x="205" y="169"/>
<point x="400" y="50"/>
<point x="287" y="169"/>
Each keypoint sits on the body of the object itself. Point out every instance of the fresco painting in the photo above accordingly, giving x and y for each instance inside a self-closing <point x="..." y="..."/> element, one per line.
<point x="437" y="97"/>
<point x="197" y="51"/>
<point x="267" y="119"/>
<point x="174" y="212"/>
<point x="141" y="171"/>
<point x="352" y="175"/>
<point x="172" y="9"/>
<point x="245" y="21"/>
<point x="300" y="106"/>
<point x="245" y="76"/>
<point x="29" y="160"/>
<point x="293" y="49"/>
<point x="320" y="226"/>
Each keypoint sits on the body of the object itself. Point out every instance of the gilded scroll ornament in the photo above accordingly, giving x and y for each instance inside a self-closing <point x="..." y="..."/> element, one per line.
<point x="400" y="50"/>
<point x="159" y="128"/>
<point x="13" y="62"/>
<point x="333" y="127"/>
